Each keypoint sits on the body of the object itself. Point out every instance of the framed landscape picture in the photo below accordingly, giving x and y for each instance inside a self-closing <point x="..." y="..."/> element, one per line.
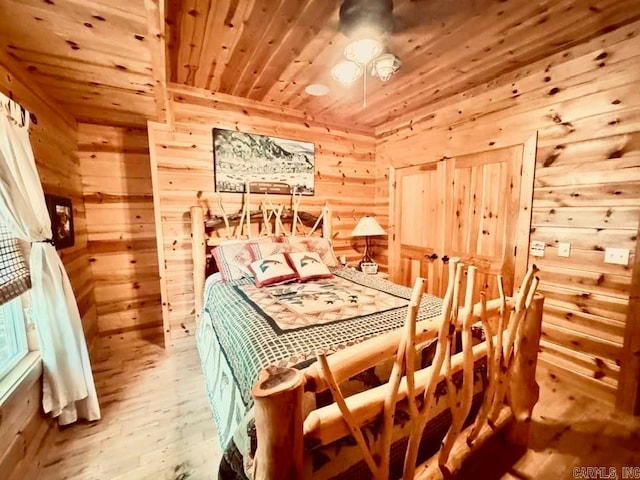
<point x="61" y="214"/>
<point x="273" y="165"/>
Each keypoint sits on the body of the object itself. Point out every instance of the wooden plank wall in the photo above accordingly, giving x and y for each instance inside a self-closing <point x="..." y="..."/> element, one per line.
<point x="585" y="103"/>
<point x="116" y="185"/>
<point x="54" y="140"/>
<point x="182" y="164"/>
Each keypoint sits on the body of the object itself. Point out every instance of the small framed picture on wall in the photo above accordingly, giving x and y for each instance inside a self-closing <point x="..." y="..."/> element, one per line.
<point x="61" y="214"/>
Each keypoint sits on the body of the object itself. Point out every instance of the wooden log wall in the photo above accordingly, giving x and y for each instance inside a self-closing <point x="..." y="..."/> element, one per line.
<point x="116" y="185"/>
<point x="182" y="169"/>
<point x="585" y="104"/>
<point x="54" y="140"/>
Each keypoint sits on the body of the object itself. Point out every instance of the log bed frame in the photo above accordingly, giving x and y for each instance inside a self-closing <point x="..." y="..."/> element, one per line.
<point x="512" y="326"/>
<point x="286" y="424"/>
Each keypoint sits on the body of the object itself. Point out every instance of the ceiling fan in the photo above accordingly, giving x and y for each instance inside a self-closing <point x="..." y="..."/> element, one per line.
<point x="366" y="22"/>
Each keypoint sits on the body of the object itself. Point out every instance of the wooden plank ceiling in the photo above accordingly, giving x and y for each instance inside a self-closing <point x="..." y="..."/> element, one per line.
<point x="93" y="55"/>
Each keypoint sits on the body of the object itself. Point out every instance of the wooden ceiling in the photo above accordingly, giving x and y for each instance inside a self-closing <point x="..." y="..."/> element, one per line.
<point x="94" y="56"/>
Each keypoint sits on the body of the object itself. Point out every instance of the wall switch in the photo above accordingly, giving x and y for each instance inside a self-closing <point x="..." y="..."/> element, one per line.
<point x="537" y="248"/>
<point x="564" y="249"/>
<point x="618" y="256"/>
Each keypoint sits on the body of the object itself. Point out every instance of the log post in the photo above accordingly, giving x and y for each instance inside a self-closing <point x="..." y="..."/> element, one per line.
<point x="326" y="222"/>
<point x="199" y="255"/>
<point x="278" y="398"/>
<point x="523" y="389"/>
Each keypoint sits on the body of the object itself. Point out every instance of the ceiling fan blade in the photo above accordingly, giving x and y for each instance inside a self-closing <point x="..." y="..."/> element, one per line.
<point x="374" y="15"/>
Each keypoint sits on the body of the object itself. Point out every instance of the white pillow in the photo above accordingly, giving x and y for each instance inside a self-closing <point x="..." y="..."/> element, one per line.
<point x="320" y="245"/>
<point x="233" y="257"/>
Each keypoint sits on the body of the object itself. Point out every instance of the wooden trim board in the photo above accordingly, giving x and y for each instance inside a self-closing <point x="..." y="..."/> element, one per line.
<point x="628" y="394"/>
<point x="526" y="203"/>
<point x="166" y="330"/>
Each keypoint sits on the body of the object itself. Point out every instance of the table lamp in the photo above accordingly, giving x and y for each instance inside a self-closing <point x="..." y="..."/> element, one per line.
<point x="367" y="227"/>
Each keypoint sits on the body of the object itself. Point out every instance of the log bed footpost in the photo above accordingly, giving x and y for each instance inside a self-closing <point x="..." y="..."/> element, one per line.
<point x="523" y="388"/>
<point x="199" y="255"/>
<point x="278" y="398"/>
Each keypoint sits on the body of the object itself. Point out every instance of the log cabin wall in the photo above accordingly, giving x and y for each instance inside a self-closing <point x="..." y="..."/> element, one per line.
<point x="182" y="169"/>
<point x="53" y="138"/>
<point x="116" y="183"/>
<point x="585" y="105"/>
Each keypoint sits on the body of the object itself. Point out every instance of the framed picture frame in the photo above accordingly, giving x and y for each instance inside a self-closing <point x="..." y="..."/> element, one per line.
<point x="271" y="164"/>
<point x="61" y="215"/>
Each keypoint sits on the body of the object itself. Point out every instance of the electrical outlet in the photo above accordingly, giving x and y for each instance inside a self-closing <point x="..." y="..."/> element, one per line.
<point x="617" y="256"/>
<point x="564" y="249"/>
<point x="537" y="249"/>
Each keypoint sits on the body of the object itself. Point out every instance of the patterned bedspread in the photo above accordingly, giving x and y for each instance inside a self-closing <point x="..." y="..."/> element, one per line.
<point x="302" y="305"/>
<point x="241" y="333"/>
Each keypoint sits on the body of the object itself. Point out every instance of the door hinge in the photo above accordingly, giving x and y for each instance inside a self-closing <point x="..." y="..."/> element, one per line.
<point x="515" y="251"/>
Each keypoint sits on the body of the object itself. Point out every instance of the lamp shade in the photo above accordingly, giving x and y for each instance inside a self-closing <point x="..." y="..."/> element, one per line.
<point x="363" y="51"/>
<point x="385" y="66"/>
<point x="366" y="227"/>
<point x="346" y="72"/>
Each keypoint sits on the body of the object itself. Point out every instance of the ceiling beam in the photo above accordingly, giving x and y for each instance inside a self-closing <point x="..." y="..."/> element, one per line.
<point x="156" y="11"/>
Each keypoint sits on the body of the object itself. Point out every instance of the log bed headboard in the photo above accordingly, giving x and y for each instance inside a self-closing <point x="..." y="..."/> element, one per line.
<point x="269" y="218"/>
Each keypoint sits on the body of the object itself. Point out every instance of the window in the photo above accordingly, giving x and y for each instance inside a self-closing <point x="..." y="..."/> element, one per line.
<point x="14" y="281"/>
<point x="14" y="273"/>
<point x="13" y="337"/>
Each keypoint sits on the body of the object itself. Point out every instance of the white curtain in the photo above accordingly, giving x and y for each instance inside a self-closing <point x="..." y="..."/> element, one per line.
<point x="68" y="391"/>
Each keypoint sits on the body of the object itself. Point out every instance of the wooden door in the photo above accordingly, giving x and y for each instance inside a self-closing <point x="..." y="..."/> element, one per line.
<point x="419" y="211"/>
<point x="465" y="207"/>
<point x="482" y="215"/>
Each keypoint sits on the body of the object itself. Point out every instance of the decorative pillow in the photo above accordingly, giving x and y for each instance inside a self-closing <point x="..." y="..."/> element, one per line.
<point x="308" y="266"/>
<point x="320" y="245"/>
<point x="270" y="270"/>
<point x="264" y="250"/>
<point x="233" y="257"/>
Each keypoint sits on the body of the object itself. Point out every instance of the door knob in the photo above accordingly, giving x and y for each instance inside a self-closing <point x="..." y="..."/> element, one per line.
<point x="445" y="259"/>
<point x="433" y="256"/>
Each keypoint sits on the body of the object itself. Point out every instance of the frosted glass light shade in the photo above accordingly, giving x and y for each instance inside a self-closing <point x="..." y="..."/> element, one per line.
<point x="366" y="227"/>
<point x="385" y="66"/>
<point x="363" y="51"/>
<point x="346" y="72"/>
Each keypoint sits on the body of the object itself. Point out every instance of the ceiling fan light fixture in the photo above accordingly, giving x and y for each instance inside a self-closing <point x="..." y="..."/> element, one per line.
<point x="346" y="72"/>
<point x="385" y="66"/>
<point x="364" y="50"/>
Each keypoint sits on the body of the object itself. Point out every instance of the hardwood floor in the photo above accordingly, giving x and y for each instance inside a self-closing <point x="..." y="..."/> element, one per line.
<point x="157" y="424"/>
<point x="156" y="420"/>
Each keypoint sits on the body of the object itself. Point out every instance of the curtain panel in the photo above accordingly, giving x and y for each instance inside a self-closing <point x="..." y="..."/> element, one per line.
<point x="68" y="389"/>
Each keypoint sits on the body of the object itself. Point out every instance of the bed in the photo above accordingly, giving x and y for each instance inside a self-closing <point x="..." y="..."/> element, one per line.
<point x="319" y="361"/>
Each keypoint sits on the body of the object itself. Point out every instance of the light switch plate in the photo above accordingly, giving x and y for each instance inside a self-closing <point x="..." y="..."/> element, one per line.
<point x="564" y="249"/>
<point x="537" y="249"/>
<point x="617" y="256"/>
